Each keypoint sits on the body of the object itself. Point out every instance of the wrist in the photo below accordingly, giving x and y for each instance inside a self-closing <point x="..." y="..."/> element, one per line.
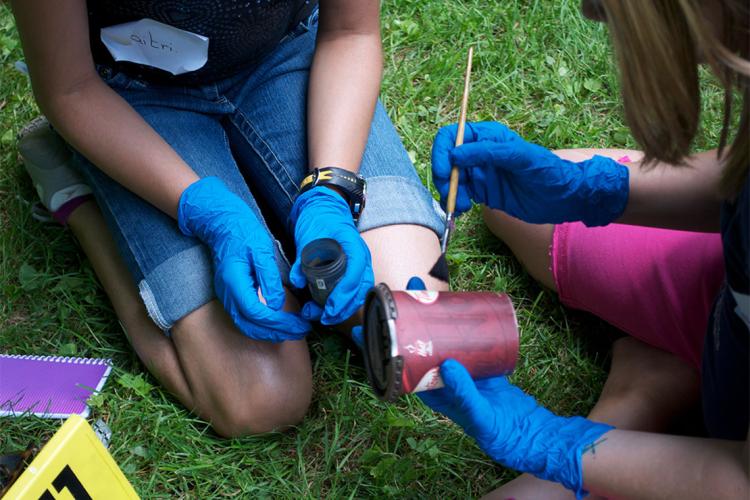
<point x="193" y="200"/>
<point x="351" y="186"/>
<point x="337" y="190"/>
<point x="323" y="200"/>
<point x="206" y="206"/>
<point x="571" y="437"/>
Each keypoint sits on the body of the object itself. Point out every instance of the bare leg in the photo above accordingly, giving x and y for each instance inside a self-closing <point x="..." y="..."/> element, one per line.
<point x="239" y="385"/>
<point x="646" y="387"/>
<point x="152" y="346"/>
<point x="402" y="251"/>
<point x="242" y="386"/>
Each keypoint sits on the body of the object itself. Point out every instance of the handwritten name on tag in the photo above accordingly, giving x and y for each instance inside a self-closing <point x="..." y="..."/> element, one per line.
<point x="156" y="44"/>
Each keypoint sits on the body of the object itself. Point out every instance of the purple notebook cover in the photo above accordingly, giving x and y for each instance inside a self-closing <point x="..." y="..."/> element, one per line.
<point x="49" y="386"/>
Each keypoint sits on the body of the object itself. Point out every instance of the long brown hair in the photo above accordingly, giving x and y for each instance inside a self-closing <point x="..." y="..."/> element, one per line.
<point x="659" y="44"/>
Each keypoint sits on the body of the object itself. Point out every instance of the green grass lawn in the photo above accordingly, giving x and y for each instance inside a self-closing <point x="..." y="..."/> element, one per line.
<point x="539" y="67"/>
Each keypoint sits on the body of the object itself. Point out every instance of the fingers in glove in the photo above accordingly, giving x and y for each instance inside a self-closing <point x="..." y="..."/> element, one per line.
<point x="358" y="336"/>
<point x="347" y="296"/>
<point x="441" y="147"/>
<point x="509" y="156"/>
<point x="476" y="154"/>
<point x="311" y="311"/>
<point x="491" y="131"/>
<point x="242" y="296"/>
<point x="352" y="306"/>
<point x="296" y="276"/>
<point x="437" y="400"/>
<point x="444" y="143"/>
<point x="459" y="386"/>
<point x="463" y="200"/>
<point x="268" y="275"/>
<point x="291" y="325"/>
<point x="463" y="197"/>
<point x="260" y="332"/>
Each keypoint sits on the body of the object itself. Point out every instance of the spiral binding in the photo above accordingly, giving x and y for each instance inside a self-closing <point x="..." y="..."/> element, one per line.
<point x="59" y="359"/>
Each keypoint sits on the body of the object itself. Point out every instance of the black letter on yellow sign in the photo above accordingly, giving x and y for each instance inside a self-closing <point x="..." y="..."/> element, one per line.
<point x="67" y="479"/>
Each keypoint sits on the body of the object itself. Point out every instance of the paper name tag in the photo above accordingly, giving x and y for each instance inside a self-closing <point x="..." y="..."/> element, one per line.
<point x="156" y="44"/>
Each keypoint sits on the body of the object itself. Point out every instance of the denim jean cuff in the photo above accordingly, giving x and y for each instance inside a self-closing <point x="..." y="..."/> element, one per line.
<point x="393" y="199"/>
<point x="184" y="283"/>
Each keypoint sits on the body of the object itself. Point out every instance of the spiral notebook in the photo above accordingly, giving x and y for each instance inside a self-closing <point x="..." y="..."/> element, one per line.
<point x="49" y="386"/>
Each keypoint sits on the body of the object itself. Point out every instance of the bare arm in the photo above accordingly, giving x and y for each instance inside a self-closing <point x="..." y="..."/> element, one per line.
<point x="685" y="197"/>
<point x="87" y="113"/>
<point x="628" y="464"/>
<point x="344" y="82"/>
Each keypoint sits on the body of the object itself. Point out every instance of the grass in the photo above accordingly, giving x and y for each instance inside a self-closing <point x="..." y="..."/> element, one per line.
<point x="538" y="67"/>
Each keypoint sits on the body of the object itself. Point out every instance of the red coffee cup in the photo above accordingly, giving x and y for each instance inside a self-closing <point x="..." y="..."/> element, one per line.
<point x="408" y="334"/>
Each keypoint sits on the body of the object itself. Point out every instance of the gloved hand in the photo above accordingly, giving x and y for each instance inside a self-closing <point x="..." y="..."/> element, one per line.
<point x="512" y="428"/>
<point x="501" y="170"/>
<point x="323" y="213"/>
<point x="243" y="255"/>
<point x="358" y="336"/>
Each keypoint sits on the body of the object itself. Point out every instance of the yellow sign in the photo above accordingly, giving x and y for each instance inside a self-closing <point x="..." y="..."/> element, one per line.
<point x="72" y="465"/>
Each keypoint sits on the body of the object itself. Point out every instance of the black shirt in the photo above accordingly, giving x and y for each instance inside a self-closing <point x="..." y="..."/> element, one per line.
<point x="240" y="33"/>
<point x="726" y="374"/>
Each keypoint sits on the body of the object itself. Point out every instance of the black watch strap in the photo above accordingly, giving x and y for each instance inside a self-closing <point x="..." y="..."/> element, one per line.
<point x="350" y="184"/>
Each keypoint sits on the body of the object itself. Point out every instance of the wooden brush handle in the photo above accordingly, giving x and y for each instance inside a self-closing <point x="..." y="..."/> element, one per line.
<point x="453" y="187"/>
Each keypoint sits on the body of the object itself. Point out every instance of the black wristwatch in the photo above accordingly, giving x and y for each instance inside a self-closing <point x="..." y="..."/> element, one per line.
<point x="351" y="185"/>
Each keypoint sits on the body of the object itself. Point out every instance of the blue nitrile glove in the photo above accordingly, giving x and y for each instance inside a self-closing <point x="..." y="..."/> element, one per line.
<point x="323" y="213"/>
<point x="358" y="337"/>
<point x="513" y="429"/>
<point x="244" y="259"/>
<point x="501" y="170"/>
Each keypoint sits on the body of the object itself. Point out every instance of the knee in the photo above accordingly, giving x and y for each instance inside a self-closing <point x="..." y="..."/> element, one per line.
<point x="650" y="377"/>
<point x="271" y="406"/>
<point x="241" y="386"/>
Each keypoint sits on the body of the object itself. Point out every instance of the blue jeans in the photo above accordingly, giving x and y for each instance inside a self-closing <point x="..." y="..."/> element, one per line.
<point x="248" y="130"/>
